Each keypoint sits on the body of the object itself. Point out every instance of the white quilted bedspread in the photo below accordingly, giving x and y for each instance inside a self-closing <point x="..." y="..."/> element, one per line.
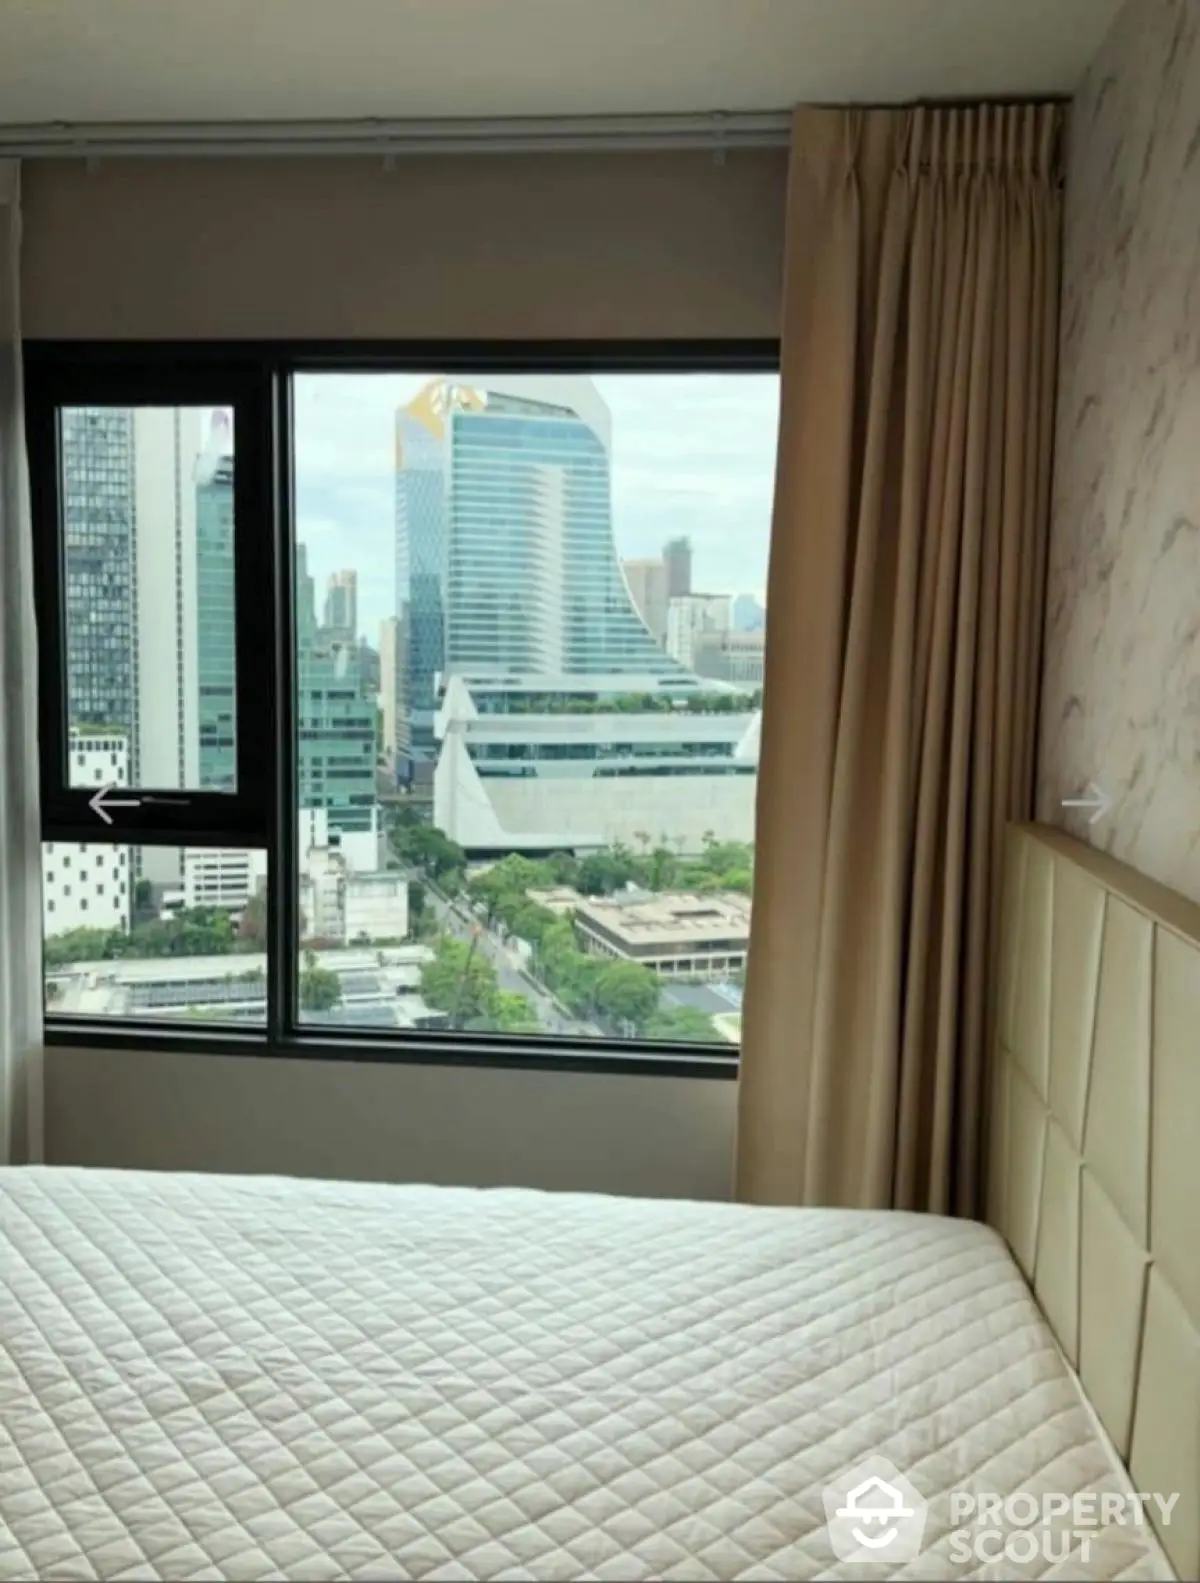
<point x="242" y="1378"/>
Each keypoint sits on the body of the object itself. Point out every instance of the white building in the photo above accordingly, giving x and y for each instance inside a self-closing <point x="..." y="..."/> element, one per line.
<point x="88" y="885"/>
<point x="675" y="933"/>
<point x="393" y="644"/>
<point x="228" y="877"/>
<point x="509" y="779"/>
<point x="690" y="615"/>
<point x="168" y="445"/>
<point x="221" y="877"/>
<point x="341" y="907"/>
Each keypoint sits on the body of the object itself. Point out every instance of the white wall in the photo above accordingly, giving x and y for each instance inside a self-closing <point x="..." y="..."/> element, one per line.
<point x="649" y="1136"/>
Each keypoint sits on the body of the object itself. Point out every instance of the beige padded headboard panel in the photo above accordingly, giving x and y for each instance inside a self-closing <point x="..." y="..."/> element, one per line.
<point x="1094" y="1158"/>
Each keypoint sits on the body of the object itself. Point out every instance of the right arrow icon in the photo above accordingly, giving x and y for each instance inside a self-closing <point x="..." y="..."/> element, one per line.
<point x="1097" y="801"/>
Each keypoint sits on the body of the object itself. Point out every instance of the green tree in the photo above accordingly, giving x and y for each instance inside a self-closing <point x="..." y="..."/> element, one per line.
<point x="626" y="992"/>
<point x="320" y="988"/>
<point x="514" y="1014"/>
<point x="682" y="1023"/>
<point x="601" y="873"/>
<point x="460" y="983"/>
<point x="143" y="899"/>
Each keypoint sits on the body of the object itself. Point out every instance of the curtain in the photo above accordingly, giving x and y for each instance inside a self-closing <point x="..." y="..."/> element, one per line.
<point x="904" y="598"/>
<point x="20" y="880"/>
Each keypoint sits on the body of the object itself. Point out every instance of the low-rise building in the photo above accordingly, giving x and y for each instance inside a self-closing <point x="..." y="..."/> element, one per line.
<point x="343" y="907"/>
<point x="734" y="657"/>
<point x="680" y="934"/>
<point x="575" y="764"/>
<point x="689" y="617"/>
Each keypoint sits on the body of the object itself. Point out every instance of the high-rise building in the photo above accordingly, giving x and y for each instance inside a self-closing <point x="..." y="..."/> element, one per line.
<point x="690" y="615"/>
<point x="129" y="512"/>
<point x="341" y="603"/>
<point x="420" y="552"/>
<point x="215" y="638"/>
<point x="647" y="584"/>
<point x="335" y="720"/>
<point x="677" y="557"/>
<point x="505" y="558"/>
<point x="98" y="480"/>
<point x="392" y="654"/>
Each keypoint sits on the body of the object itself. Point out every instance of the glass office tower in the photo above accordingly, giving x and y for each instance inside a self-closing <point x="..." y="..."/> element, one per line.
<point x="506" y="565"/>
<point x="98" y="482"/>
<point x="216" y="643"/>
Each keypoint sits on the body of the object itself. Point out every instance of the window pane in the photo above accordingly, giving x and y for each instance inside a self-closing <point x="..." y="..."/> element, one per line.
<point x="147" y="496"/>
<point x="531" y="612"/>
<point x="154" y="932"/>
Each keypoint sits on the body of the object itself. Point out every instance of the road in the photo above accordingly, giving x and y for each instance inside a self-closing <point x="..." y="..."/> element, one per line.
<point x="456" y="918"/>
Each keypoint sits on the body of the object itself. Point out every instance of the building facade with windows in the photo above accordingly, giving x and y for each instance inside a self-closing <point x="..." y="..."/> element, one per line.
<point x="505" y="560"/>
<point x="677" y="557"/>
<point x="647" y="584"/>
<point x="733" y="657"/>
<point x="89" y="885"/>
<point x="335" y="720"/>
<point x="341" y="603"/>
<point x="676" y="933"/>
<point x="215" y="637"/>
<point x="691" y="617"/>
<point x="549" y="765"/>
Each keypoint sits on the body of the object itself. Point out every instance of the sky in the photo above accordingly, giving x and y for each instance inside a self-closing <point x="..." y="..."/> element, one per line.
<point x="692" y="454"/>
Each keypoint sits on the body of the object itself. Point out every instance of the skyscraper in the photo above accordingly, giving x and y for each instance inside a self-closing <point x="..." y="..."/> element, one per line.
<point x="677" y="557"/>
<point x="335" y="719"/>
<point x="341" y="604"/>
<point x="647" y="584"/>
<point x="420" y="551"/>
<point x="504" y="517"/>
<point x="393" y="649"/>
<point x="215" y="639"/>
<point x="99" y="554"/>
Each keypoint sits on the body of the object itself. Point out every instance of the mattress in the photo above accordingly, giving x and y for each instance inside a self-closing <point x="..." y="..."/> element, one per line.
<point x="243" y="1378"/>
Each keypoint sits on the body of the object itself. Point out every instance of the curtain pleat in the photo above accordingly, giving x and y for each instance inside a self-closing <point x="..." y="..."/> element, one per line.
<point x="904" y="593"/>
<point x="20" y="879"/>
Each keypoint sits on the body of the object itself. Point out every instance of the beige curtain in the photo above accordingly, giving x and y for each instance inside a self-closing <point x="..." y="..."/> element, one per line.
<point x="904" y="598"/>
<point x="20" y="835"/>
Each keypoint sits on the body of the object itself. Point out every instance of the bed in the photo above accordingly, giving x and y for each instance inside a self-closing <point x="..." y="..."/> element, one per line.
<point x="237" y="1378"/>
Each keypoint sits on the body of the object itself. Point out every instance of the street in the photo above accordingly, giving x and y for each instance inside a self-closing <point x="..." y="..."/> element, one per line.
<point x="456" y="918"/>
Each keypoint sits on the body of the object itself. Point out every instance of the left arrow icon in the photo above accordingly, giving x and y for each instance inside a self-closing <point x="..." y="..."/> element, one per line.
<point x="102" y="802"/>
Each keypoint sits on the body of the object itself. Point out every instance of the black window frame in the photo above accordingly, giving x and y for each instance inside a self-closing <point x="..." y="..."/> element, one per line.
<point x="257" y="378"/>
<point x="56" y="380"/>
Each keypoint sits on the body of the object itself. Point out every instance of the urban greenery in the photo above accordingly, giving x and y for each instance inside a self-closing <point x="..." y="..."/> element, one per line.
<point x="708" y="703"/>
<point x="624" y="997"/>
<point x="195" y="931"/>
<point x="463" y="985"/>
<point x="320" y="987"/>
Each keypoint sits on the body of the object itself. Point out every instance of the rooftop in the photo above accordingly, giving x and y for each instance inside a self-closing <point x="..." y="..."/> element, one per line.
<point x="669" y="917"/>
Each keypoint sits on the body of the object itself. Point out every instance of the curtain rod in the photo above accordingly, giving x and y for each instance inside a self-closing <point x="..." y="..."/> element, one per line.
<point x="716" y="133"/>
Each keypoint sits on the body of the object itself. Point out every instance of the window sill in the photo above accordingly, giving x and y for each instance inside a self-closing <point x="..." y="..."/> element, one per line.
<point x="553" y="1055"/>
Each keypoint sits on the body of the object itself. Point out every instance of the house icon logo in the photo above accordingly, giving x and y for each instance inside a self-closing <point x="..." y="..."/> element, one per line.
<point x="873" y="1513"/>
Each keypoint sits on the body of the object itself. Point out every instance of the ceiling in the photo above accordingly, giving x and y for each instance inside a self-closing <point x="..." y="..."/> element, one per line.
<point x="183" y="60"/>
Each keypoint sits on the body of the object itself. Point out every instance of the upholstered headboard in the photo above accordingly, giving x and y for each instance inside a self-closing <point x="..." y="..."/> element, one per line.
<point x="1094" y="1158"/>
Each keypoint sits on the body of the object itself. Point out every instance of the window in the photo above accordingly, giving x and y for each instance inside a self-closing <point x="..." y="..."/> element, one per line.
<point x="472" y="660"/>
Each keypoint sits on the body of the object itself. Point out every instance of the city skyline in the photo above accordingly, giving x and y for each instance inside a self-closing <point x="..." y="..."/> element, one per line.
<point x="692" y="456"/>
